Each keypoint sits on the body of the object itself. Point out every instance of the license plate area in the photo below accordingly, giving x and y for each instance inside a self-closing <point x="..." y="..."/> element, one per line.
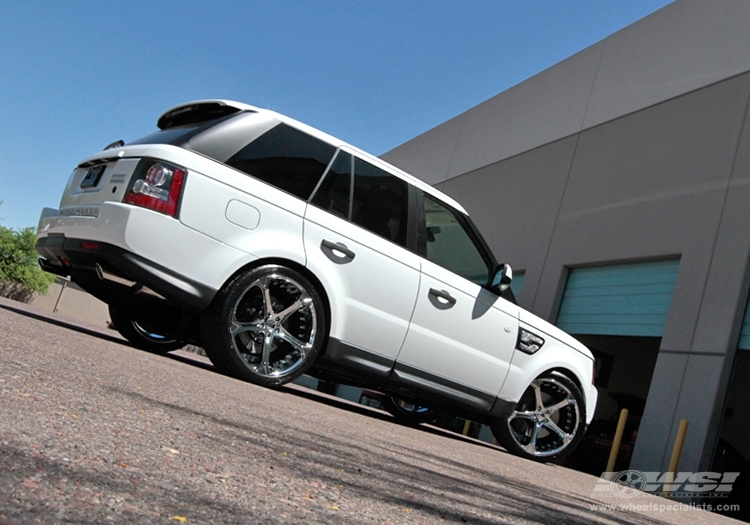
<point x="93" y="176"/>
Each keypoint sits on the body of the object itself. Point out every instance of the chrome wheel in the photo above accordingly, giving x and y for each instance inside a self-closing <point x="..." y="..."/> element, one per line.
<point x="274" y="325"/>
<point x="547" y="422"/>
<point x="266" y="326"/>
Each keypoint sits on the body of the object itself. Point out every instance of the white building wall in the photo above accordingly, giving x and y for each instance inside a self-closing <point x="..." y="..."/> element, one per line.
<point x="685" y="46"/>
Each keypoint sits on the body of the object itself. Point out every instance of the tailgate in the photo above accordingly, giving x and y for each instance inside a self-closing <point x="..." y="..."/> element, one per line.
<point x="96" y="182"/>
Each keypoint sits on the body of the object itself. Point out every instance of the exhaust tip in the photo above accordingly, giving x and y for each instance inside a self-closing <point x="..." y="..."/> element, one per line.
<point x="105" y="275"/>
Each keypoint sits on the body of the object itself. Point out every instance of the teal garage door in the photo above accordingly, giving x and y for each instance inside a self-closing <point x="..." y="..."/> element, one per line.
<point x="745" y="334"/>
<point x="619" y="299"/>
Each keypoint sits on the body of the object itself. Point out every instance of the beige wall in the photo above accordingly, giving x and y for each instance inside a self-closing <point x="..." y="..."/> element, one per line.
<point x="68" y="299"/>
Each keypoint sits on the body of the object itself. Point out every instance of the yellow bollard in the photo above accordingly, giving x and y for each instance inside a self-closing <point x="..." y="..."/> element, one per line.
<point x="676" y="453"/>
<point x="617" y="440"/>
<point x="467" y="426"/>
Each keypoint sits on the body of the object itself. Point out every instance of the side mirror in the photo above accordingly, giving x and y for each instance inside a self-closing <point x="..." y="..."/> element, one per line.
<point x="502" y="278"/>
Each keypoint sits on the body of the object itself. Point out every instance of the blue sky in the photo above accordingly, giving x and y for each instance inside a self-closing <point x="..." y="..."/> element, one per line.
<point x="77" y="75"/>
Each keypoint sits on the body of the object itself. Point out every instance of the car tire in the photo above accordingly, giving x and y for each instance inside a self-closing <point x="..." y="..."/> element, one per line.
<point x="266" y="326"/>
<point x="548" y="421"/>
<point x="407" y="413"/>
<point x="142" y="333"/>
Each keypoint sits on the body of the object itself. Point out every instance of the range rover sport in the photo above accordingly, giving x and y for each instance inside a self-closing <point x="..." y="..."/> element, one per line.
<point x="284" y="251"/>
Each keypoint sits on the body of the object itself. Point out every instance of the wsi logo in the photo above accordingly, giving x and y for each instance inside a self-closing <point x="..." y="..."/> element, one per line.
<point x="629" y="483"/>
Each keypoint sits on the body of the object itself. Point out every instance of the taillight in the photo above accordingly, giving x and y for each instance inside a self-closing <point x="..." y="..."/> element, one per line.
<point x="156" y="185"/>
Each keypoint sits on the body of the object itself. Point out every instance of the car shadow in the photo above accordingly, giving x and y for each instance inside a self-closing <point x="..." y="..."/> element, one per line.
<point x="198" y="361"/>
<point x="331" y="400"/>
<point x="70" y="324"/>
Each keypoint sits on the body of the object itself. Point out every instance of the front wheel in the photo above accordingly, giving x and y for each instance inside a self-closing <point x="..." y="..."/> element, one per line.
<point x="548" y="421"/>
<point x="266" y="326"/>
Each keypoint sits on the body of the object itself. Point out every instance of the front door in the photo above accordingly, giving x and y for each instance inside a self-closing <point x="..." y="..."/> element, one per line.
<point x="462" y="337"/>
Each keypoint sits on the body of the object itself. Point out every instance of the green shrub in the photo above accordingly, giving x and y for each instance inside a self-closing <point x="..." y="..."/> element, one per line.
<point x="20" y="274"/>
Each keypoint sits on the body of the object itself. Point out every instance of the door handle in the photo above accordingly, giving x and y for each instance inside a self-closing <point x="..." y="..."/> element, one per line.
<point x="442" y="294"/>
<point x="338" y="247"/>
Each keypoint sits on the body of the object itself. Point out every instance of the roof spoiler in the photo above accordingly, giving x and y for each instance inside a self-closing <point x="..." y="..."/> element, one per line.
<point x="199" y="111"/>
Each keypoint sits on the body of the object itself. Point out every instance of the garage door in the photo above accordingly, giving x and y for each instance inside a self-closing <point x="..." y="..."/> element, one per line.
<point x="745" y="334"/>
<point x="619" y="299"/>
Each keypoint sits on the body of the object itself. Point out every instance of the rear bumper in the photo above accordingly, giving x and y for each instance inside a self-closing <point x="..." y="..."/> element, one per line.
<point x="78" y="259"/>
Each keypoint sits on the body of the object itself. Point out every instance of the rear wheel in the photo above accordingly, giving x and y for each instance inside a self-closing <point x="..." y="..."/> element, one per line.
<point x="266" y="326"/>
<point x="142" y="332"/>
<point x="547" y="422"/>
<point x="408" y="413"/>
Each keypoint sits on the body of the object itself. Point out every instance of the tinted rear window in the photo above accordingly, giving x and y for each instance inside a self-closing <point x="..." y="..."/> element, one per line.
<point x="169" y="136"/>
<point x="179" y="135"/>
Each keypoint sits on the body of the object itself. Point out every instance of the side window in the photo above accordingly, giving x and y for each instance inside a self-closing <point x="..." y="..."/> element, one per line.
<point x="380" y="202"/>
<point x="449" y="243"/>
<point x="334" y="192"/>
<point x="286" y="158"/>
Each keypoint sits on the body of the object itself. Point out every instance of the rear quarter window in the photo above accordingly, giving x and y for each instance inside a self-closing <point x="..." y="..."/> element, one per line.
<point x="286" y="158"/>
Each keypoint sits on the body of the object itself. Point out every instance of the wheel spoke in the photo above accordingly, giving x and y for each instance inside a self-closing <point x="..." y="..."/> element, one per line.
<point x="531" y="446"/>
<point x="266" y="294"/>
<point x="302" y="347"/>
<point x="570" y="400"/>
<point x="531" y="416"/>
<point x="238" y="327"/>
<point x="264" y="366"/>
<point x="257" y="323"/>
<point x="303" y="302"/>
<point x="537" y="386"/>
<point x="550" y="425"/>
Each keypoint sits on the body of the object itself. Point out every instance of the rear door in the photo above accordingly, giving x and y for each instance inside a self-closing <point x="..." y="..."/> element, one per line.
<point x="355" y="235"/>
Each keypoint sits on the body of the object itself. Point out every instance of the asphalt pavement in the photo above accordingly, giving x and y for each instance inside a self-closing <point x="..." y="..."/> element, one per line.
<point x="94" y="431"/>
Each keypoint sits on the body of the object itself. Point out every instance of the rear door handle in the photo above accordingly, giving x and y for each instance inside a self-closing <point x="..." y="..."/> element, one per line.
<point x="337" y="247"/>
<point x="443" y="295"/>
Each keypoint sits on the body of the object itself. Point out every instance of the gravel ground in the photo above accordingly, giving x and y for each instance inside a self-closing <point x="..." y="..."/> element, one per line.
<point x="93" y="431"/>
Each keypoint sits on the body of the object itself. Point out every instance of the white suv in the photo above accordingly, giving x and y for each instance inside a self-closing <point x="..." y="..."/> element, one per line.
<point x="282" y="251"/>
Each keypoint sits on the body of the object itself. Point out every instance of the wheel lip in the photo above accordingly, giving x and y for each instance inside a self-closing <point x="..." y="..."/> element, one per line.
<point x="137" y="335"/>
<point x="275" y="274"/>
<point x="418" y="410"/>
<point x="152" y="336"/>
<point x="547" y="453"/>
<point x="420" y="414"/>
